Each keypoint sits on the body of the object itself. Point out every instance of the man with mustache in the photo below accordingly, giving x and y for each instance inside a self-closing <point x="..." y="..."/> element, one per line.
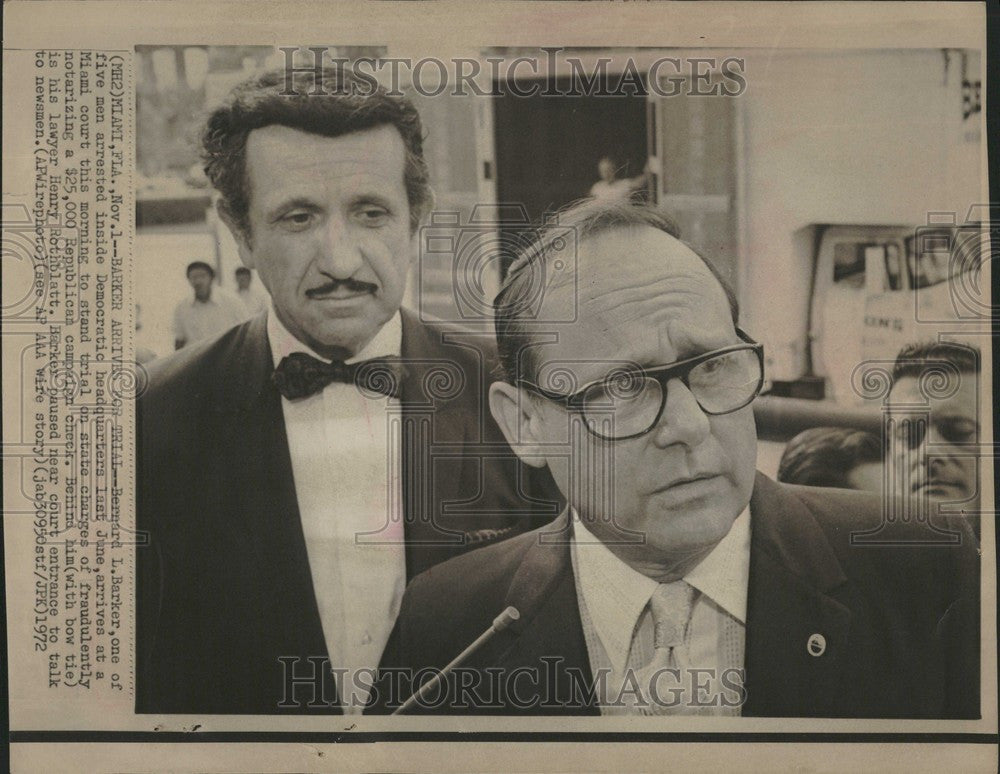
<point x="295" y="472"/>
<point x="679" y="581"/>
<point x="934" y="435"/>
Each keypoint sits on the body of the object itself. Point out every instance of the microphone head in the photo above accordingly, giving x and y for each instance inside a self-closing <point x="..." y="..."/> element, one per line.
<point x="505" y="619"/>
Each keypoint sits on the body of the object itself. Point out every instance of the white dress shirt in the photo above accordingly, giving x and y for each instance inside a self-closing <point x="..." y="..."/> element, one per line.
<point x="346" y="477"/>
<point x="617" y="624"/>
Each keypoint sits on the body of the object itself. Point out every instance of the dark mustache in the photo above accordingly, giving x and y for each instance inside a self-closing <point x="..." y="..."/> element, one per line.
<point x="351" y="284"/>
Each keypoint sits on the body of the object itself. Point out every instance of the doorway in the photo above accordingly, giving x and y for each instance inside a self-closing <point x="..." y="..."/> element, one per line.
<point x="548" y="147"/>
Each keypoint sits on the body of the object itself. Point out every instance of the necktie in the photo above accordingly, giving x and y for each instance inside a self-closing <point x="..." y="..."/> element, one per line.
<point x="670" y="607"/>
<point x="300" y="375"/>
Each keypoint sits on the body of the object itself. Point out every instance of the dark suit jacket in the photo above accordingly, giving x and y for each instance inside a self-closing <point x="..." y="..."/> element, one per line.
<point x="900" y="622"/>
<point x="224" y="586"/>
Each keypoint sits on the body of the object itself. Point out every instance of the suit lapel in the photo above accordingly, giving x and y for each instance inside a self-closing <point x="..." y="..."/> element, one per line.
<point x="265" y="514"/>
<point x="797" y="633"/>
<point x="428" y="481"/>
<point x="548" y="636"/>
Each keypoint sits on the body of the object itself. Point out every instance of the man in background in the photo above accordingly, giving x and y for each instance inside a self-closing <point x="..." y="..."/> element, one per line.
<point x="254" y="301"/>
<point x="934" y="430"/>
<point x="210" y="312"/>
<point x="610" y="186"/>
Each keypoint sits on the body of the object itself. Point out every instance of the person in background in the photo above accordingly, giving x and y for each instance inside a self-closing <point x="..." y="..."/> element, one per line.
<point x="252" y="298"/>
<point x="612" y="187"/>
<point x="212" y="311"/>
<point x="934" y="423"/>
<point x="833" y="456"/>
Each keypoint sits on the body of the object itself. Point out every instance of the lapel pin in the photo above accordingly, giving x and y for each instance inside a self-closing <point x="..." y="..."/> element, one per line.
<point x="816" y="646"/>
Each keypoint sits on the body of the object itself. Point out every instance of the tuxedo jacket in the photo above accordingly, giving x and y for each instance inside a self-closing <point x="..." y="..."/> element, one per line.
<point x="898" y="617"/>
<point x="224" y="588"/>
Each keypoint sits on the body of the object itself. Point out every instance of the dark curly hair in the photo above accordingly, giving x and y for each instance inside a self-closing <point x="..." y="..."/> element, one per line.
<point x="825" y="456"/>
<point x="914" y="359"/>
<point x="331" y="104"/>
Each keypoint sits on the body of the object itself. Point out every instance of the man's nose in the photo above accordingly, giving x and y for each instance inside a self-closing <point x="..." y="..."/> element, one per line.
<point x="940" y="452"/>
<point x="340" y="254"/>
<point x="683" y="420"/>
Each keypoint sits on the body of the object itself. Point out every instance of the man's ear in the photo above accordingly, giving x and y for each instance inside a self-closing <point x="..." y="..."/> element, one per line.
<point x="421" y="217"/>
<point x="518" y="418"/>
<point x="242" y="239"/>
<point x="428" y="207"/>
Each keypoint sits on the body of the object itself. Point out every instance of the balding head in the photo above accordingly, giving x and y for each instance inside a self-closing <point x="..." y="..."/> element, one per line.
<point x="636" y="300"/>
<point x="534" y="289"/>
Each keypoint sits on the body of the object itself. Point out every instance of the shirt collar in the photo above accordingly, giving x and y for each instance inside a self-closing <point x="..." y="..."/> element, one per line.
<point x="387" y="342"/>
<point x="723" y="575"/>
<point x="615" y="594"/>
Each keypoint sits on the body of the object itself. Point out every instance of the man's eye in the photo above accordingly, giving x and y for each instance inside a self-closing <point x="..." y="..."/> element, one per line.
<point x="713" y="365"/>
<point x="373" y="215"/>
<point x="297" y="220"/>
<point x="958" y="431"/>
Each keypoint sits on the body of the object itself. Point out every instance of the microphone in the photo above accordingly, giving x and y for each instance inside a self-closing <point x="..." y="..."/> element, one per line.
<point x="501" y="622"/>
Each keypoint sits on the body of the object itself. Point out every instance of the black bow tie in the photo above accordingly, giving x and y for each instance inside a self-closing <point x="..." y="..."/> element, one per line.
<point x="300" y="375"/>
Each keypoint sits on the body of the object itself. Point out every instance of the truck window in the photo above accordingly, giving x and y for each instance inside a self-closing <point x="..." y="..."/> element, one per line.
<point x="849" y="265"/>
<point x="893" y="268"/>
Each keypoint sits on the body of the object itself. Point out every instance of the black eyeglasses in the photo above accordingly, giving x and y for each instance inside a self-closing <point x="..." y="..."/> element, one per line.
<point x="629" y="402"/>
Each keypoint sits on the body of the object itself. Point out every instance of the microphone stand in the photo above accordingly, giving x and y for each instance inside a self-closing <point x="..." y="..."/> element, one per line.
<point x="501" y="622"/>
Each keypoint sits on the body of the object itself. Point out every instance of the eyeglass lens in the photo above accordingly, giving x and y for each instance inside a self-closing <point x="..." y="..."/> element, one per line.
<point x="629" y="404"/>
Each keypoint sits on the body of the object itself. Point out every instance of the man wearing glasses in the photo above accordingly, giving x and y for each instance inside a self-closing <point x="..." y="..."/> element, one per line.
<point x="678" y="581"/>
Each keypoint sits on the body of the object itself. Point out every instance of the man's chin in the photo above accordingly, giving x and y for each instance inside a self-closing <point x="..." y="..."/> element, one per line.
<point x="680" y="556"/>
<point x="693" y="530"/>
<point x="344" y="337"/>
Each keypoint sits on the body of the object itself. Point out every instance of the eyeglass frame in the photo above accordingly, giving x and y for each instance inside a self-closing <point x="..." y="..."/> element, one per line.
<point x="662" y="374"/>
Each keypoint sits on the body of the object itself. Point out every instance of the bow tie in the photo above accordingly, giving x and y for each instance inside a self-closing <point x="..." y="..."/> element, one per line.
<point x="300" y="375"/>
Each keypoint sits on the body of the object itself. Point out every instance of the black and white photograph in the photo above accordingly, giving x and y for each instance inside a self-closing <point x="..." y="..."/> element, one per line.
<point x="272" y="473"/>
<point x="625" y="383"/>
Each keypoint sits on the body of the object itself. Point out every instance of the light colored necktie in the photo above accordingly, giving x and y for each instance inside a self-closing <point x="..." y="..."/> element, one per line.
<point x="670" y="607"/>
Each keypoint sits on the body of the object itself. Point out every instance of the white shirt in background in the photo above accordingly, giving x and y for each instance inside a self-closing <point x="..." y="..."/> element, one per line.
<point x="195" y="320"/>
